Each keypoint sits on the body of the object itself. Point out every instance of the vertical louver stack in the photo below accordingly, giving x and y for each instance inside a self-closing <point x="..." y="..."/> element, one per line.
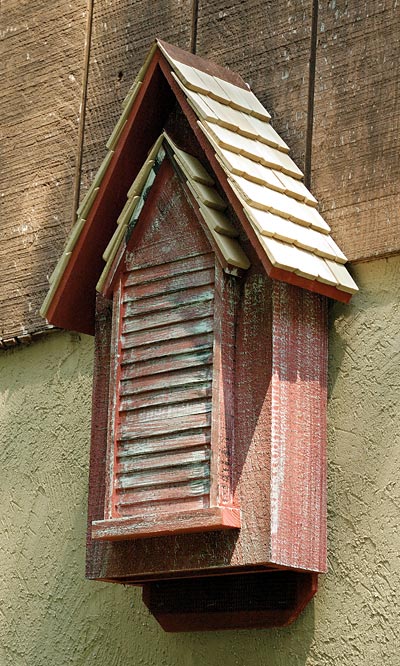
<point x="165" y="380"/>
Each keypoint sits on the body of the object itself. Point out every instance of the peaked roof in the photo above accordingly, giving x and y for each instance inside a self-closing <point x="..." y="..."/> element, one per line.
<point x="249" y="159"/>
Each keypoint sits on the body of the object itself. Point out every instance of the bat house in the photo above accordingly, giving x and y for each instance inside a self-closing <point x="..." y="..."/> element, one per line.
<point x="200" y="263"/>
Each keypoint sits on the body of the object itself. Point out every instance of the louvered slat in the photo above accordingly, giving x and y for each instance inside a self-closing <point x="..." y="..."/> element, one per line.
<point x="166" y="380"/>
<point x="183" y="313"/>
<point x="173" y="459"/>
<point x="165" y="301"/>
<point x="162" y="271"/>
<point x="167" y="348"/>
<point x="165" y="385"/>
<point x="164" y="477"/>
<point x="190" y="495"/>
<point x="168" y="395"/>
<point x="153" y="287"/>
<point x="167" y="364"/>
<point x="173" y="441"/>
<point x="182" y="329"/>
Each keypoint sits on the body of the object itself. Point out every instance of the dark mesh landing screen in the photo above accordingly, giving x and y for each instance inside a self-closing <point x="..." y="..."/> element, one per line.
<point x="245" y="592"/>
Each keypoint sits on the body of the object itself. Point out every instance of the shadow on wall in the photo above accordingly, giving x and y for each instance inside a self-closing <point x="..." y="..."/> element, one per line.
<point x="288" y="646"/>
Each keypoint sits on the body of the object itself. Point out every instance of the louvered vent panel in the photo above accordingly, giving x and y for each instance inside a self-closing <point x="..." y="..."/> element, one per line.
<point x="163" y="429"/>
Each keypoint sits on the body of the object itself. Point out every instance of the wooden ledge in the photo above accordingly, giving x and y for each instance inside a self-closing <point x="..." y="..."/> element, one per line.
<point x="183" y="522"/>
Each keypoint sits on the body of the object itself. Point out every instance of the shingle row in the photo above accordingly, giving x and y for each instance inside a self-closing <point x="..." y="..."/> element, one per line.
<point x="264" y="178"/>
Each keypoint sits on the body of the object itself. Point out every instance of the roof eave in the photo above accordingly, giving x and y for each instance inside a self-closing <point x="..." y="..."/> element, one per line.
<point x="73" y="303"/>
<point x="272" y="271"/>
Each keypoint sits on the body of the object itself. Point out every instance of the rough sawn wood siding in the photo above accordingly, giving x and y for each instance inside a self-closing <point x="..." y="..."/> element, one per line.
<point x="42" y="69"/>
<point x="355" y="143"/>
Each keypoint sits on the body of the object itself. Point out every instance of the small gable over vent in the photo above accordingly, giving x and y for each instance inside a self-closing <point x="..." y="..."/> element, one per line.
<point x="201" y="263"/>
<point x="168" y="308"/>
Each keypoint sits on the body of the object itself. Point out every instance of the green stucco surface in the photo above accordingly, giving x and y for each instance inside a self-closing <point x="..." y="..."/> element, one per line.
<point x="51" y="616"/>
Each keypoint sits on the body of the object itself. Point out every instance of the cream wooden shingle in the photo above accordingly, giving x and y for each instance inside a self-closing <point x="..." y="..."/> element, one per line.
<point x="218" y="221"/>
<point x="208" y="195"/>
<point x="296" y="189"/>
<point x="87" y="202"/>
<point x="243" y="100"/>
<point x="122" y="224"/>
<point x="265" y="179"/>
<point x="269" y="224"/>
<point x="262" y="175"/>
<point x="232" y="252"/>
<point x="346" y="282"/>
<point x="193" y="167"/>
<point x="267" y="134"/>
<point x="253" y="149"/>
<point x="235" y="163"/>
<point x="211" y="206"/>
<point x="201" y="185"/>
<point x="259" y="196"/>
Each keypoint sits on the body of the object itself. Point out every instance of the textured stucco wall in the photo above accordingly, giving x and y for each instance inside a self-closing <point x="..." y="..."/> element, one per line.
<point x="51" y="616"/>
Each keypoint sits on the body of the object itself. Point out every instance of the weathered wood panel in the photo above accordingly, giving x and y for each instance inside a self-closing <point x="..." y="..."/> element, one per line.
<point x="277" y="452"/>
<point x="355" y="166"/>
<point x="42" y="57"/>
<point x="356" y="143"/>
<point x="166" y="255"/>
<point x="298" y="432"/>
<point x="122" y="35"/>
<point x="267" y="43"/>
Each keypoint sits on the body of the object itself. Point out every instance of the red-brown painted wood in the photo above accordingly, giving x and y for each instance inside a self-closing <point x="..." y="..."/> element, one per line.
<point x="96" y="556"/>
<point x="262" y="419"/>
<point x="186" y="522"/>
<point x="73" y="306"/>
<point x="166" y="490"/>
<point x="298" y="427"/>
<point x="272" y="327"/>
<point x="212" y="392"/>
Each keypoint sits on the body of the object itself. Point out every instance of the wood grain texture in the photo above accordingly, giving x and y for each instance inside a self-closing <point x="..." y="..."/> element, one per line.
<point x="356" y="137"/>
<point x="200" y="520"/>
<point x="355" y="170"/>
<point x="85" y="264"/>
<point x="122" y="36"/>
<point x="298" y="428"/>
<point x="246" y="226"/>
<point x="42" y="56"/>
<point x="98" y="448"/>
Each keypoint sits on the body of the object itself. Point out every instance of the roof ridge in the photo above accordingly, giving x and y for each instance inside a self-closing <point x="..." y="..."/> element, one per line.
<point x="202" y="188"/>
<point x="203" y="65"/>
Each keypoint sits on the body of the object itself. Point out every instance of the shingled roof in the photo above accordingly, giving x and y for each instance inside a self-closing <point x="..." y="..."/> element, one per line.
<point x="245" y="154"/>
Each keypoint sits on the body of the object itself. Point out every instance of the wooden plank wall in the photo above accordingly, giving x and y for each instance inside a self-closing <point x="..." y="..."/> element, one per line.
<point x="121" y="37"/>
<point x="355" y="165"/>
<point x="267" y="42"/>
<point x="355" y="141"/>
<point x="42" y="47"/>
